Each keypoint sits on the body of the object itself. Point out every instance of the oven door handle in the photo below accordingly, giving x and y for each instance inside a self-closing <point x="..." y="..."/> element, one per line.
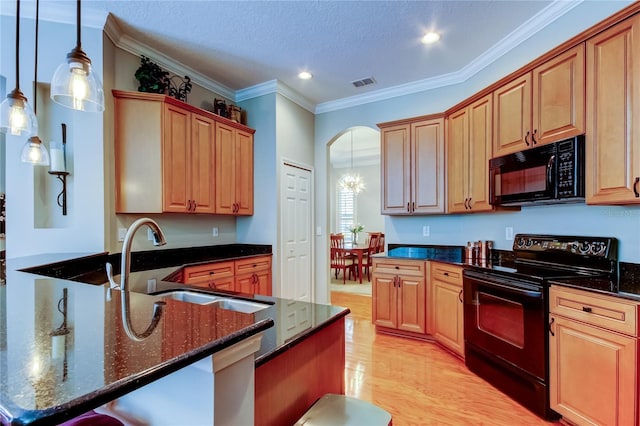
<point x="509" y="286"/>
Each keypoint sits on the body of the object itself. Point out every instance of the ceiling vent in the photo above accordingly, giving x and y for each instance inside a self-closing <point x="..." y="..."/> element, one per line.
<point x="363" y="82"/>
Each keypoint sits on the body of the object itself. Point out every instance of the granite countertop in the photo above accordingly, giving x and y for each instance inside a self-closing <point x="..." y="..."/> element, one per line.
<point x="45" y="384"/>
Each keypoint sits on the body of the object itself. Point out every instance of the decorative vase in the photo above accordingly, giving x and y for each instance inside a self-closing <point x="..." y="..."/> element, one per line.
<point x="355" y="237"/>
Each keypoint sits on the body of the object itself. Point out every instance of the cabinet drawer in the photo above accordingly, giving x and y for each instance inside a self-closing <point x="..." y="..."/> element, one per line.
<point x="596" y="309"/>
<point x="447" y="273"/>
<point x="414" y="268"/>
<point x="208" y="271"/>
<point x="216" y="283"/>
<point x="253" y="264"/>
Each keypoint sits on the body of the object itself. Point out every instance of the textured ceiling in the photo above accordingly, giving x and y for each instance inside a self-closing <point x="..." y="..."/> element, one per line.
<point x="245" y="43"/>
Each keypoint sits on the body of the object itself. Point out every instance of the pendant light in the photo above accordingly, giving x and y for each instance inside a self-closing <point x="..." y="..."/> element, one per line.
<point x="74" y="84"/>
<point x="351" y="181"/>
<point x="16" y="116"/>
<point x="34" y="151"/>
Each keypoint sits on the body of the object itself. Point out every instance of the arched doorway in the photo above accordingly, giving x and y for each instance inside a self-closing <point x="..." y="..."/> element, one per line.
<point x="354" y="152"/>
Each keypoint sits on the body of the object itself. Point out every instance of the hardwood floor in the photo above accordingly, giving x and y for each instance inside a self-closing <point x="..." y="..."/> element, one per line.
<point x="419" y="383"/>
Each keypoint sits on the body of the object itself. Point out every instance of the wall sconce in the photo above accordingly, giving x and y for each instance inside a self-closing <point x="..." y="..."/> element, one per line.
<point x="59" y="335"/>
<point x="58" y="168"/>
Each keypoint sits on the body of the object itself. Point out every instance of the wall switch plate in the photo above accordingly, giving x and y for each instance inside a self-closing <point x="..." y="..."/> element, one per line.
<point x="214" y="232"/>
<point x="508" y="233"/>
<point x="318" y="230"/>
<point x="121" y="234"/>
<point x="426" y="230"/>
<point x="151" y="285"/>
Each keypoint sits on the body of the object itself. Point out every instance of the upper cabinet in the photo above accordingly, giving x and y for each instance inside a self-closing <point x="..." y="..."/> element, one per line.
<point x="169" y="158"/>
<point x="234" y="170"/>
<point x="613" y="115"/>
<point x="469" y="140"/>
<point x="541" y="106"/>
<point x="412" y="166"/>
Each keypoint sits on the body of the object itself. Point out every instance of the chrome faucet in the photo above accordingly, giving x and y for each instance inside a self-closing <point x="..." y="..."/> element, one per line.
<point x="158" y="240"/>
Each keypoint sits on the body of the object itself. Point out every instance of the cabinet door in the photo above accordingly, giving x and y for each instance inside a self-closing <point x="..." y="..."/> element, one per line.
<point x="395" y="170"/>
<point x="263" y="283"/>
<point x="427" y="166"/>
<point x="176" y="147"/>
<point x="384" y="301"/>
<point x="457" y="144"/>
<point x="202" y="164"/>
<point x="613" y="115"/>
<point x="512" y="116"/>
<point x="592" y="374"/>
<point x="412" y="309"/>
<point x="225" y="169"/>
<point x="448" y="318"/>
<point x="479" y="152"/>
<point x="558" y="97"/>
<point x="244" y="172"/>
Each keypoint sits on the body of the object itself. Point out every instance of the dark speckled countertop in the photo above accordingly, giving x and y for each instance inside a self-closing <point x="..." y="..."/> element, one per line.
<point x="39" y="385"/>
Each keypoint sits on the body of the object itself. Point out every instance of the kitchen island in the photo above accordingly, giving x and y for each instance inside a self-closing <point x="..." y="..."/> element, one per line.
<point x="40" y="383"/>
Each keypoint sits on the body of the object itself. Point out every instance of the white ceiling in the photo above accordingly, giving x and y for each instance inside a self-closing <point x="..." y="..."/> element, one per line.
<point x="243" y="44"/>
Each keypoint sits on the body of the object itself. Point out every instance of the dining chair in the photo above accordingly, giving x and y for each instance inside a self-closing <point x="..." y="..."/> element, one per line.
<point x="374" y="246"/>
<point x="340" y="258"/>
<point x="381" y="243"/>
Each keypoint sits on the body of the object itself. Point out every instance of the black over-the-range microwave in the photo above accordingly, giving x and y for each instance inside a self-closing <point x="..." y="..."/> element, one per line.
<point x="548" y="174"/>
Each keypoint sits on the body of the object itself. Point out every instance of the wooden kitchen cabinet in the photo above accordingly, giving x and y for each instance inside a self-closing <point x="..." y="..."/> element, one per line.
<point x="234" y="170"/>
<point x="214" y="276"/>
<point x="593" y="356"/>
<point x="412" y="166"/>
<point x="541" y="106"/>
<point x="613" y="115"/>
<point x="469" y="142"/>
<point x="399" y="296"/>
<point x="253" y="275"/>
<point x="446" y="306"/>
<point x="166" y="158"/>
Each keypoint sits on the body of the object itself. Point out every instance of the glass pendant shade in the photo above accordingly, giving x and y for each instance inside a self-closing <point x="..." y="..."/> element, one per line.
<point x="351" y="182"/>
<point x="16" y="116"/>
<point x="75" y="85"/>
<point x="34" y="152"/>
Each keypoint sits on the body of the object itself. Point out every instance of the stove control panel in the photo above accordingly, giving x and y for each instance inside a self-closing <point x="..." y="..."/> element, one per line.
<point x="586" y="246"/>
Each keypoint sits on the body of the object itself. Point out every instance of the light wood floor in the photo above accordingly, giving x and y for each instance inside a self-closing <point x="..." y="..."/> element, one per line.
<point x="419" y="383"/>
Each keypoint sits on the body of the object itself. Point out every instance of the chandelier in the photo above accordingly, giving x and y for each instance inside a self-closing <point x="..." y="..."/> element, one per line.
<point x="351" y="181"/>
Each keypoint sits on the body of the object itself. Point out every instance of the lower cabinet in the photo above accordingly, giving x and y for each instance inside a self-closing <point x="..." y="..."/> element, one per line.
<point x="593" y="354"/>
<point x="399" y="295"/>
<point x="250" y="275"/>
<point x="445" y="285"/>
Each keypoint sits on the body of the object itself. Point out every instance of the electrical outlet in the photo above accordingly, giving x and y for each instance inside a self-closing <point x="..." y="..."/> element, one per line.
<point x="508" y="233"/>
<point x="121" y="234"/>
<point x="426" y="230"/>
<point x="215" y="231"/>
<point x="151" y="285"/>
<point x="149" y="234"/>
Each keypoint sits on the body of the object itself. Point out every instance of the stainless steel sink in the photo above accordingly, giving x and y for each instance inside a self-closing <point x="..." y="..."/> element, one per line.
<point x="231" y="304"/>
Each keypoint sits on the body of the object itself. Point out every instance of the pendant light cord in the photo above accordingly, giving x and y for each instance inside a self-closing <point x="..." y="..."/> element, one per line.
<point x="35" y="66"/>
<point x="78" y="42"/>
<point x="17" y="44"/>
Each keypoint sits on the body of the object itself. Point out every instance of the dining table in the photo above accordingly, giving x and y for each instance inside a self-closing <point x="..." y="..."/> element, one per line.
<point x="357" y="251"/>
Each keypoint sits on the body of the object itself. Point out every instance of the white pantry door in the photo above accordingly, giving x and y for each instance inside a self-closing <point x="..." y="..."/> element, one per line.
<point x="296" y="233"/>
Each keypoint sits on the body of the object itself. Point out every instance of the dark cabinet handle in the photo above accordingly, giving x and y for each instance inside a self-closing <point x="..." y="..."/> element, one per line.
<point x="533" y="137"/>
<point x="413" y="206"/>
<point x="212" y="272"/>
<point x="635" y="187"/>
<point x="526" y="138"/>
<point x="195" y="205"/>
<point x="212" y="285"/>
<point x="587" y="309"/>
<point x="399" y="281"/>
<point x="550" y="323"/>
<point x="469" y="203"/>
<point x="460" y="296"/>
<point x="446" y="274"/>
<point x="466" y="207"/>
<point x="397" y="267"/>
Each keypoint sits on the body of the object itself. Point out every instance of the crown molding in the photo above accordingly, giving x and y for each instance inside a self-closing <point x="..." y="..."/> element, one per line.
<point x="275" y="86"/>
<point x="128" y="44"/>
<point x="536" y="23"/>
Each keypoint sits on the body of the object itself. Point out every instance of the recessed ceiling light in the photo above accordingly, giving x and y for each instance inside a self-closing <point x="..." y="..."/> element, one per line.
<point x="305" y="75"/>
<point x="430" y="38"/>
